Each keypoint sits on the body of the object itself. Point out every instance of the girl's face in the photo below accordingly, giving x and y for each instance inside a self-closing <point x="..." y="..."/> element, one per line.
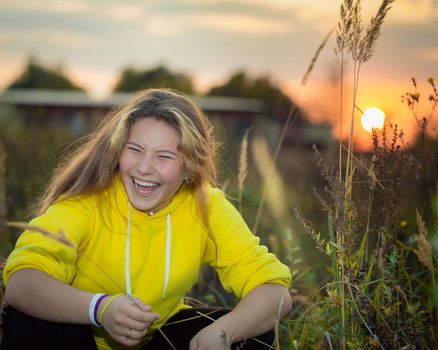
<point x="151" y="166"/>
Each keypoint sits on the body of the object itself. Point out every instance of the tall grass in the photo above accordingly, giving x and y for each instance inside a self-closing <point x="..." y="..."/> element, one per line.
<point x="379" y="297"/>
<point x="359" y="44"/>
<point x="382" y="291"/>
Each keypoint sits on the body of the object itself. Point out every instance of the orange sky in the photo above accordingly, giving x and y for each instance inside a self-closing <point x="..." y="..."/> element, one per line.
<point x="321" y="102"/>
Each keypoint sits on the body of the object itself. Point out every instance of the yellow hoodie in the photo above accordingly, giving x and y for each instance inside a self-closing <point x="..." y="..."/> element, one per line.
<point x="118" y="249"/>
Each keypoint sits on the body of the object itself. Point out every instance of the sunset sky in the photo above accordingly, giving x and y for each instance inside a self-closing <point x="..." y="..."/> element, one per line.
<point x="210" y="39"/>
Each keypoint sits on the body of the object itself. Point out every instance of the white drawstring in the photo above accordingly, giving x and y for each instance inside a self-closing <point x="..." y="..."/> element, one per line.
<point x="168" y="241"/>
<point x="128" y="252"/>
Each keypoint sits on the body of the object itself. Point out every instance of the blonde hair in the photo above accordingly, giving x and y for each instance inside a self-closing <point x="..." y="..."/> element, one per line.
<point x="92" y="166"/>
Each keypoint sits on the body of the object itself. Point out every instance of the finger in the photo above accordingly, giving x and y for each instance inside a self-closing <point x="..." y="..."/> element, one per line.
<point x="134" y="334"/>
<point x="143" y="316"/>
<point x="127" y="334"/>
<point x="140" y="305"/>
<point x="121" y="323"/>
<point x="138" y="302"/>
<point x="136" y="325"/>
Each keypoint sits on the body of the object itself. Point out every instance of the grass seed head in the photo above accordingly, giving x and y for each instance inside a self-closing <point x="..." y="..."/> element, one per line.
<point x="424" y="251"/>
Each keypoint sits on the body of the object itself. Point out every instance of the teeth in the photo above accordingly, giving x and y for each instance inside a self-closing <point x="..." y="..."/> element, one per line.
<point x="145" y="183"/>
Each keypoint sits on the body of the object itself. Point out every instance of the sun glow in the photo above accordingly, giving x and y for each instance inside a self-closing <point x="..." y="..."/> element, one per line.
<point x="372" y="118"/>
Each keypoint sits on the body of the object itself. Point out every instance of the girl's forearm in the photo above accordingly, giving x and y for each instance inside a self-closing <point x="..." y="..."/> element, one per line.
<point x="42" y="296"/>
<point x="256" y="313"/>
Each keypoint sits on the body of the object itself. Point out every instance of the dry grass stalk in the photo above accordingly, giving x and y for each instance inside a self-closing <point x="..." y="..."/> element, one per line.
<point x="354" y="36"/>
<point x="243" y="167"/>
<point x="60" y="236"/>
<point x="275" y="197"/>
<point x="424" y="251"/>
<point x="361" y="47"/>
<point x="167" y="339"/>
<point x="342" y="42"/>
<point x="368" y="43"/>
<point x="243" y="162"/>
<point x="315" y="58"/>
<point x="343" y="27"/>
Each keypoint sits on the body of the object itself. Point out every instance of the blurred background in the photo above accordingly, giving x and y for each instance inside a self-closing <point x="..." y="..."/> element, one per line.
<point x="63" y="64"/>
<point x="92" y="42"/>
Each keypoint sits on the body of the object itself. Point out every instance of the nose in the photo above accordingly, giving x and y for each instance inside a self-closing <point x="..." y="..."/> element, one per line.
<point x="146" y="165"/>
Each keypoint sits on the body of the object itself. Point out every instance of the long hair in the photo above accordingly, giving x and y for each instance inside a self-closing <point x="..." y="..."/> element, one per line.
<point x="91" y="167"/>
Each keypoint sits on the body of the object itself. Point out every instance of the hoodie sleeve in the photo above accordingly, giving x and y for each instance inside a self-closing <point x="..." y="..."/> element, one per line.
<point x="241" y="262"/>
<point x="46" y="253"/>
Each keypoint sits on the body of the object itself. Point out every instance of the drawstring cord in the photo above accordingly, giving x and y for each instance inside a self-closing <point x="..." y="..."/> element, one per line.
<point x="168" y="241"/>
<point x="128" y="253"/>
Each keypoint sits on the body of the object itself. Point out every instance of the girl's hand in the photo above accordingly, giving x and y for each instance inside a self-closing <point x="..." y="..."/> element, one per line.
<point x="211" y="338"/>
<point x="127" y="322"/>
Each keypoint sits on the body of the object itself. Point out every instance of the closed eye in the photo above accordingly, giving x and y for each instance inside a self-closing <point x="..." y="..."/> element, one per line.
<point x="132" y="146"/>
<point x="165" y="157"/>
<point x="133" y="149"/>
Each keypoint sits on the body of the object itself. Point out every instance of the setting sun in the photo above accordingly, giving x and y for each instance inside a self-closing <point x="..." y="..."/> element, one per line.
<point x="372" y="118"/>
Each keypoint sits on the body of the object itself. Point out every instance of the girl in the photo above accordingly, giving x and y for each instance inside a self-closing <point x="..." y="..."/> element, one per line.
<point x="136" y="205"/>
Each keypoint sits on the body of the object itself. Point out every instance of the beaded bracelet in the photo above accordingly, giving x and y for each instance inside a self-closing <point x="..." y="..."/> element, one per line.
<point x="97" y="298"/>
<point x="110" y="300"/>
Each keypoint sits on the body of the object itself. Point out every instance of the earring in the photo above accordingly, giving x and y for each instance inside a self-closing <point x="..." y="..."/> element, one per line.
<point x="186" y="180"/>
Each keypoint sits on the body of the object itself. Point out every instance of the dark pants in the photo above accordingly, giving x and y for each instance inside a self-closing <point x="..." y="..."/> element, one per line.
<point x="21" y="331"/>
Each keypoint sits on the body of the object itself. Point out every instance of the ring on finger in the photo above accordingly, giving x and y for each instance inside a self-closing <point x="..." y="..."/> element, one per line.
<point x="129" y="333"/>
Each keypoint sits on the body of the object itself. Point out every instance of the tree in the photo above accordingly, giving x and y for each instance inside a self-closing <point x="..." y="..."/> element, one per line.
<point x="37" y="76"/>
<point x="159" y="77"/>
<point x="240" y="85"/>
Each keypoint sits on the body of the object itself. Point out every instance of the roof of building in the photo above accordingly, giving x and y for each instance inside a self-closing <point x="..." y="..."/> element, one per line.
<point x="40" y="97"/>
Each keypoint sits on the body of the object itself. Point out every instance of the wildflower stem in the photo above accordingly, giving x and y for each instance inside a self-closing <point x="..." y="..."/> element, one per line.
<point x="340" y="114"/>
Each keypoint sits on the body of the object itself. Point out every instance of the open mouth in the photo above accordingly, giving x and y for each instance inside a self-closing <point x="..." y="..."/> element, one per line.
<point x="145" y="187"/>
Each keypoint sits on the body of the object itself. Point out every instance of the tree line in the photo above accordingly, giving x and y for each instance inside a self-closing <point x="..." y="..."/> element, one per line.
<point x="240" y="84"/>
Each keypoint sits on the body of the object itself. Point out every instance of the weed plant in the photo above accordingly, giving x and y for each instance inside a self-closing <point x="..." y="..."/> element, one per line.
<point x="382" y="292"/>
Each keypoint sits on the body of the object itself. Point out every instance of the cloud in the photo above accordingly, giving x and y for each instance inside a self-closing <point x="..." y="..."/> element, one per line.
<point x="56" y="38"/>
<point x="124" y="12"/>
<point x="113" y="11"/>
<point x="59" y="6"/>
<point x="244" y="24"/>
<point x="293" y="12"/>
<point x="238" y="23"/>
